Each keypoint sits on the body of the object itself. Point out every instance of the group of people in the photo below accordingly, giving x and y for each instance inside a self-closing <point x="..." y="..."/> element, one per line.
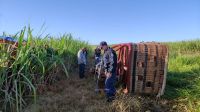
<point x="109" y="61"/>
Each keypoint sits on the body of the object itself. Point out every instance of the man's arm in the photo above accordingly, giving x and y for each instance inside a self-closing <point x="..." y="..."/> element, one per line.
<point x="111" y="60"/>
<point x="81" y="57"/>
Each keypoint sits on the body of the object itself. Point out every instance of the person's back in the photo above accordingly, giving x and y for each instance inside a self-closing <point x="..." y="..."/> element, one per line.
<point x="97" y="55"/>
<point x="97" y="52"/>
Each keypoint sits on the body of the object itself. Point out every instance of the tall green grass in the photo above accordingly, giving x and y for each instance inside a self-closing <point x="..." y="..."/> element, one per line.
<point x="38" y="62"/>
<point x="184" y="47"/>
<point x="183" y="81"/>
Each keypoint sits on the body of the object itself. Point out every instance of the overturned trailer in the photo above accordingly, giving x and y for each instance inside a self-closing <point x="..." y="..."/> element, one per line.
<point x="142" y="67"/>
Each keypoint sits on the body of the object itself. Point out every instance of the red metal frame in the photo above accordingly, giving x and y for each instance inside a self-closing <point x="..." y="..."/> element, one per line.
<point x="124" y="53"/>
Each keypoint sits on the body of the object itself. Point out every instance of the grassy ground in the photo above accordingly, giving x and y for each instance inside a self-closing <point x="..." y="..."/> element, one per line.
<point x="75" y="95"/>
<point x="183" y="81"/>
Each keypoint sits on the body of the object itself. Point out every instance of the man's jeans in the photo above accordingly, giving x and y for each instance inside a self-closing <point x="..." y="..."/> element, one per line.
<point x="81" y="70"/>
<point x="110" y="86"/>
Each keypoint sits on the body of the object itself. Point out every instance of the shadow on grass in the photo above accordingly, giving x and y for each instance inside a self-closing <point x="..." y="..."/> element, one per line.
<point x="182" y="84"/>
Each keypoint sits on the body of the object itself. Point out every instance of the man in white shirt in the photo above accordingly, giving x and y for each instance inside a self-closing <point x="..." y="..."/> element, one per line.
<point x="82" y="56"/>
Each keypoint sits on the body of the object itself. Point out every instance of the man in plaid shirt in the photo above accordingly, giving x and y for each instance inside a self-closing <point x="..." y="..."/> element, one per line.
<point x="110" y="64"/>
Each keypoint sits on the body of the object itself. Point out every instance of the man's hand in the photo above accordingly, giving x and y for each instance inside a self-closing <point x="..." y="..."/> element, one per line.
<point x="108" y="74"/>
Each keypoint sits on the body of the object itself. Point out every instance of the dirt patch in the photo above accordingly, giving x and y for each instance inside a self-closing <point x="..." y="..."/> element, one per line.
<point x="78" y="95"/>
<point x="71" y="94"/>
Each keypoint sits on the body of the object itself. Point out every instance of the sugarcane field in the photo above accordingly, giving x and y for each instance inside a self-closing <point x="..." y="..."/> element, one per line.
<point x="100" y="56"/>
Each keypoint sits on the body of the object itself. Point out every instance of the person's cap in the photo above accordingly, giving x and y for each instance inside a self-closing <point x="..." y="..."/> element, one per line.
<point x="103" y="43"/>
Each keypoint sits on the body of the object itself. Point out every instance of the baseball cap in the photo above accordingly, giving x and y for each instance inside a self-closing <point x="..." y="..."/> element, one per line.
<point x="103" y="43"/>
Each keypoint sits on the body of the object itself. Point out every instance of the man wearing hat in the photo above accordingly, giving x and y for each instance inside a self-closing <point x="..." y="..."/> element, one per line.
<point x="110" y="64"/>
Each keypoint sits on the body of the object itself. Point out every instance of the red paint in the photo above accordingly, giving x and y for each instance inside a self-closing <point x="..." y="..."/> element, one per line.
<point x="124" y="53"/>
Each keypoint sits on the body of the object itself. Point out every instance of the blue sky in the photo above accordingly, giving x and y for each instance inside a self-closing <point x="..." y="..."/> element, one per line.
<point x="115" y="21"/>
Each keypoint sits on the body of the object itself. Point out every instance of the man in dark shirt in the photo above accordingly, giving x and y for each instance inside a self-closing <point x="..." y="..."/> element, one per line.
<point x="110" y="64"/>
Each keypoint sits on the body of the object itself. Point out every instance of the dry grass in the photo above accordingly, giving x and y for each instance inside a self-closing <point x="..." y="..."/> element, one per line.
<point x="125" y="103"/>
<point x="72" y="95"/>
<point x="75" y="95"/>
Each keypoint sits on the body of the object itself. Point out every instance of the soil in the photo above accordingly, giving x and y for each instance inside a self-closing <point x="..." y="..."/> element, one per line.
<point x="78" y="95"/>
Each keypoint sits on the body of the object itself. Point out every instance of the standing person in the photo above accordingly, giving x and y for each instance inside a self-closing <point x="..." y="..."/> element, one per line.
<point x="98" y="66"/>
<point x="97" y="55"/>
<point x="110" y="64"/>
<point x="82" y="53"/>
